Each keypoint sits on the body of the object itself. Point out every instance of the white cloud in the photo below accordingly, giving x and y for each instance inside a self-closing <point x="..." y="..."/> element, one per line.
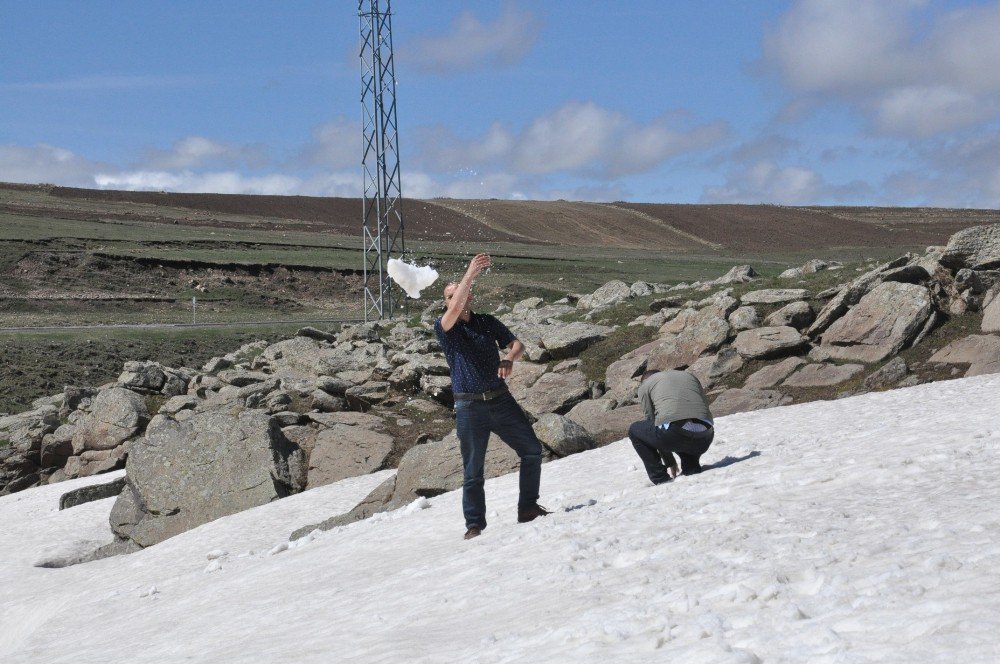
<point x="767" y="182"/>
<point x="198" y="151"/>
<point x="471" y="43"/>
<point x="926" y="111"/>
<point x="45" y="163"/>
<point x="228" y="182"/>
<point x="912" y="71"/>
<point x="578" y="137"/>
<point x="335" y="144"/>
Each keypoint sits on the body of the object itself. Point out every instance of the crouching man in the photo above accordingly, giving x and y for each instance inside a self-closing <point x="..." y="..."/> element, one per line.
<point x="678" y="421"/>
<point x="471" y="343"/>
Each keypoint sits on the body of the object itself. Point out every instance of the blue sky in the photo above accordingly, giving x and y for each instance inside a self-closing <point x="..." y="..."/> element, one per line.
<point x="857" y="102"/>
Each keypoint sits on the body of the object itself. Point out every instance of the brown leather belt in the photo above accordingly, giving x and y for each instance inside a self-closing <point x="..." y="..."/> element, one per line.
<point x="480" y="396"/>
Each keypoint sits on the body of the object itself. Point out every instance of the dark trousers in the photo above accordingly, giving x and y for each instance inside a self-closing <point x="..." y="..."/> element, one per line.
<point x="475" y="421"/>
<point x="653" y="445"/>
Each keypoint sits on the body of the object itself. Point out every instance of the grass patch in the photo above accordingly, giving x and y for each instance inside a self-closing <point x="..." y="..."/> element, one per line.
<point x="154" y="402"/>
<point x="595" y="360"/>
<point x="4" y="443"/>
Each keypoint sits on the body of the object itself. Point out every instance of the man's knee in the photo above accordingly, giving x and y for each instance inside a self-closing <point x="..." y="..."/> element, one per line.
<point x="635" y="431"/>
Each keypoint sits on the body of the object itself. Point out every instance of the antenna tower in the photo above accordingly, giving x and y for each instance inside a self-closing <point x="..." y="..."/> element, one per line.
<point x="382" y="213"/>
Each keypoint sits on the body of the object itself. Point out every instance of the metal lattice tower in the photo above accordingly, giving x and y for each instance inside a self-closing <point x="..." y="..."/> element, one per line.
<point x="382" y="214"/>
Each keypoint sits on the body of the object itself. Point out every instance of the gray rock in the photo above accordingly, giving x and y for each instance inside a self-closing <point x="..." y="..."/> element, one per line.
<point x="621" y="378"/>
<point x="347" y="451"/>
<point x="641" y="289"/>
<point x="57" y="446"/>
<point x="313" y="333"/>
<point x="376" y="501"/>
<point x="183" y="474"/>
<point x="241" y="378"/>
<point x="769" y="342"/>
<point x="74" y="397"/>
<point x="174" y="405"/>
<point x="795" y="314"/>
<point x="852" y="293"/>
<point x="610" y="293"/>
<point x="438" y="388"/>
<point x="690" y="335"/>
<point x="710" y="368"/>
<point x="888" y="375"/>
<point x="524" y="375"/>
<point x="740" y="274"/>
<point x="744" y="318"/>
<point x="116" y="415"/>
<point x="773" y="374"/>
<point x="562" y="341"/>
<point x="333" y="386"/>
<point x="363" y="397"/>
<point x="822" y="375"/>
<point x="774" y="296"/>
<point x="991" y="314"/>
<point x="881" y="324"/>
<point x="142" y="376"/>
<point x="350" y="418"/>
<point x="739" y="400"/>
<point x="980" y="351"/>
<point x="555" y="393"/>
<point x="562" y="436"/>
<point x="527" y="305"/>
<point x="977" y="248"/>
<point x="91" y="493"/>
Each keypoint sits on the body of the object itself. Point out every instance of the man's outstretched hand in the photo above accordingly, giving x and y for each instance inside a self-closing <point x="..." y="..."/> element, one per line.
<point x="479" y="263"/>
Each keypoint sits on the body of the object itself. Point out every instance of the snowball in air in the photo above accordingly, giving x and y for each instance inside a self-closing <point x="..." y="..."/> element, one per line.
<point x="411" y="278"/>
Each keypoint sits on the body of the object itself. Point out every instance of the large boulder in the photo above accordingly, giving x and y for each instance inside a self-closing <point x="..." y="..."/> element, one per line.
<point x="605" y="422"/>
<point x="769" y="342"/>
<point x="744" y="318"/>
<point x="888" y="375"/>
<point x="622" y="377"/>
<point x="710" y="368"/>
<point x="691" y="334"/>
<point x="772" y="374"/>
<point x="610" y="293"/>
<point x="796" y="314"/>
<point x="851" y="294"/>
<point x="980" y="351"/>
<point x="116" y="415"/>
<point x="977" y="248"/>
<point x="347" y="451"/>
<point x="739" y="274"/>
<point x="881" y="324"/>
<point x="991" y="312"/>
<point x="773" y="296"/>
<point x="739" y="400"/>
<point x="822" y="375"/>
<point x="555" y="393"/>
<point x="182" y="474"/>
<point x="562" y="436"/>
<point x="142" y="376"/>
<point x="562" y="341"/>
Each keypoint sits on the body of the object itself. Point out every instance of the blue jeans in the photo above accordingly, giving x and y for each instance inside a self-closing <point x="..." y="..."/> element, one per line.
<point x="654" y="445"/>
<point x="475" y="420"/>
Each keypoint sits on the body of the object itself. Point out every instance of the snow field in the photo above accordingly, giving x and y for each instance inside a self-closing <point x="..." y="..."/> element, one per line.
<point x="846" y="531"/>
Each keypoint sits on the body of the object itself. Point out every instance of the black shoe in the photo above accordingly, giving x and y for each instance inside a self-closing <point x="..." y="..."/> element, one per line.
<point x="526" y="514"/>
<point x="690" y="465"/>
<point x="473" y="532"/>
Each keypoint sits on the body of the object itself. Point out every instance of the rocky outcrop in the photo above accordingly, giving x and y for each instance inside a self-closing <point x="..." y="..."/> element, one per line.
<point x="822" y="375"/>
<point x="881" y="324"/>
<point x="182" y="474"/>
<point x="739" y="400"/>
<point x="980" y="351"/>
<point x="976" y="248"/>
<point x="562" y="436"/>
<point x="344" y="451"/>
<point x="769" y="342"/>
<point x="773" y="296"/>
<point x="116" y="415"/>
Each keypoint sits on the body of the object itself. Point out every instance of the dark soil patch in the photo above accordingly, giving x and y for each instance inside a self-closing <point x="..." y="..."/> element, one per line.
<point x="40" y="365"/>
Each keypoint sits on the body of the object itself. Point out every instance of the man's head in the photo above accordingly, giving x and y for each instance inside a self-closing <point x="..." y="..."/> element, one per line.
<point x="653" y="372"/>
<point x="449" y="293"/>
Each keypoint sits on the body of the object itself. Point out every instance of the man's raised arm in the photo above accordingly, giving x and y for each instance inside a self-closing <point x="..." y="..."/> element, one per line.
<point x="457" y="302"/>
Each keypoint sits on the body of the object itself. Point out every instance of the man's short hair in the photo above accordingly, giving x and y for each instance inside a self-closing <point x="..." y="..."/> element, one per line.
<point x="651" y="372"/>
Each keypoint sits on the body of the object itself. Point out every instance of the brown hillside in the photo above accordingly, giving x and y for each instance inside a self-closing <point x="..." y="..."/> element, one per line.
<point x="667" y="227"/>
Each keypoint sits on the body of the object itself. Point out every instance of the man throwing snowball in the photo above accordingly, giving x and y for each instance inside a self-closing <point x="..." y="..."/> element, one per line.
<point x="483" y="405"/>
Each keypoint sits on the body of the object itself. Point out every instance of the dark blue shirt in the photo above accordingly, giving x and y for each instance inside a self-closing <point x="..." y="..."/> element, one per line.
<point x="472" y="351"/>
